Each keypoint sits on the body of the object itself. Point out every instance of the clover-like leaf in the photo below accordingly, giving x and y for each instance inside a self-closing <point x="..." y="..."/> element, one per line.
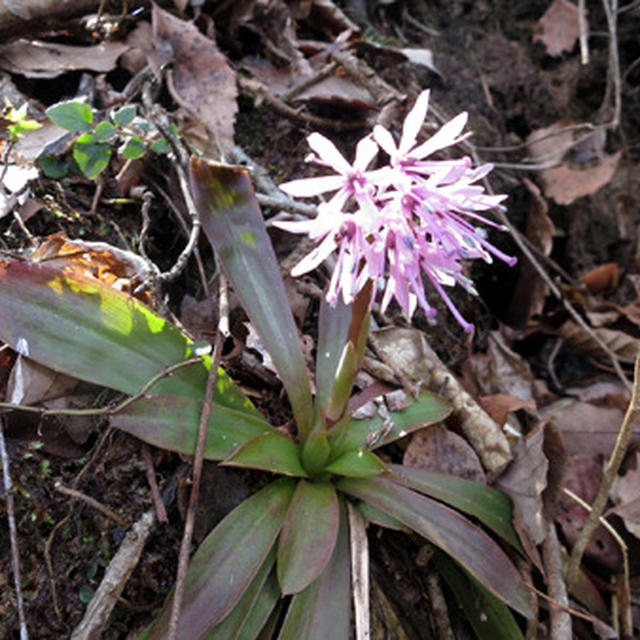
<point x="124" y="115"/>
<point x="71" y="115"/>
<point x="133" y="148"/>
<point x="91" y="156"/>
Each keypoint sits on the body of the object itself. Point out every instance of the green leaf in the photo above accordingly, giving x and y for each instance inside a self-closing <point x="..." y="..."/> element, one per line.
<point x="172" y="422"/>
<point x="231" y="218"/>
<point x="263" y="609"/>
<point x="316" y="451"/>
<point x="92" y="157"/>
<point x="81" y="327"/>
<point x="333" y="329"/>
<point x="448" y="530"/>
<point x="375" y="516"/>
<point x="357" y="464"/>
<point x="142" y="124"/>
<point x="124" y="115"/>
<point x="372" y="433"/>
<point x="308" y="535"/>
<point x="160" y="146"/>
<point x="228" y="560"/>
<point x="133" y="148"/>
<point x="230" y="627"/>
<point x="104" y="131"/>
<point x="487" y="504"/>
<point x="273" y="452"/>
<point x="72" y="115"/>
<point x="490" y="618"/>
<point x="54" y="168"/>
<point x="322" y="610"/>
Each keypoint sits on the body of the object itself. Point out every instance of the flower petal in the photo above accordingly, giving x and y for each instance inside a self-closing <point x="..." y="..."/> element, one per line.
<point x="385" y="140"/>
<point x="317" y="256"/>
<point x="413" y="122"/>
<point x="445" y="137"/>
<point x="308" y="187"/>
<point x="327" y="151"/>
<point x="366" y="151"/>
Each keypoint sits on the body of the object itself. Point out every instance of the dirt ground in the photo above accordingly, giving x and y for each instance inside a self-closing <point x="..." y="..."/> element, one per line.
<point x="574" y="205"/>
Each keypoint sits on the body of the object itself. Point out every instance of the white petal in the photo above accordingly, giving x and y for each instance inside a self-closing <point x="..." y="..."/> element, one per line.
<point x="385" y="140"/>
<point x="313" y="259"/>
<point x="293" y="226"/>
<point x="328" y="152"/>
<point x="445" y="137"/>
<point x="366" y="151"/>
<point x="413" y="122"/>
<point x="307" y="187"/>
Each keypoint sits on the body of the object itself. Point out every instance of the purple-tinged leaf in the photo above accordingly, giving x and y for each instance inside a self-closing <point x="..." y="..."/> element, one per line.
<point x="308" y="535"/>
<point x="333" y="328"/>
<point x="172" y="422"/>
<point x="468" y="544"/>
<point x="228" y="560"/>
<point x="487" y="504"/>
<point x="357" y="464"/>
<point x="316" y="451"/>
<point x="371" y="514"/>
<point x="232" y="625"/>
<point x="489" y="617"/>
<point x="231" y="218"/>
<point x="322" y="611"/>
<point x="273" y="452"/>
<point x="262" y="610"/>
<point x="372" y="433"/>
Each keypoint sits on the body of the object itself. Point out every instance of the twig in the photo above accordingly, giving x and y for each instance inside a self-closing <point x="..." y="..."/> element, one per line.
<point x="287" y="204"/>
<point x="109" y="409"/>
<point x="185" y="546"/>
<point x="147" y="197"/>
<point x="626" y="615"/>
<point x="611" y="11"/>
<point x="584" y="36"/>
<point x="359" y="573"/>
<point x="13" y="533"/>
<point x="318" y="77"/>
<point x="439" y="607"/>
<point x="92" y="502"/>
<point x="560" y="618"/>
<point x="609" y="476"/>
<point x="161" y="512"/>
<point x="115" y="578"/>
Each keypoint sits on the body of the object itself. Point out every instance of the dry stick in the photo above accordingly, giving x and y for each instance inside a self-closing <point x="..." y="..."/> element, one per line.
<point x="185" y="546"/>
<point x="611" y="12"/>
<point x="625" y="616"/>
<point x="13" y="533"/>
<point x="115" y="578"/>
<point x="439" y="607"/>
<point x="560" y="618"/>
<point x="359" y="573"/>
<point x="610" y="473"/>
<point x="161" y="512"/>
<point x="584" y="36"/>
<point x="92" y="502"/>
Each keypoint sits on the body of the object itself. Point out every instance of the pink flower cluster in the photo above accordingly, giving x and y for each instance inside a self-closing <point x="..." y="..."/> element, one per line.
<point x="390" y="224"/>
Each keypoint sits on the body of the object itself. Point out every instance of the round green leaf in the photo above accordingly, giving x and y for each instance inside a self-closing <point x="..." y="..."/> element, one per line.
<point x="125" y="115"/>
<point x="134" y="148"/>
<point x="72" y="115"/>
<point x="92" y="157"/>
<point x="104" y="131"/>
<point x="160" y="146"/>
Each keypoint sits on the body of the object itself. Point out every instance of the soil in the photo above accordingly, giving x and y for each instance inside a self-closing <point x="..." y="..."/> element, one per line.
<point x="488" y="65"/>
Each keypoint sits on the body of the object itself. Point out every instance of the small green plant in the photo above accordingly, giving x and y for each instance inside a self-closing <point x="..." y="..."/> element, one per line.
<point x="93" y="147"/>
<point x="15" y="121"/>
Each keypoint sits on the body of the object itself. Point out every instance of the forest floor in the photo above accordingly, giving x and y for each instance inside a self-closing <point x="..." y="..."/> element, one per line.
<point x="555" y="106"/>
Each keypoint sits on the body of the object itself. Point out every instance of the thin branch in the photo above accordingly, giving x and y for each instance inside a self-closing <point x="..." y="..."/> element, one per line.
<point x="611" y="471"/>
<point x="92" y="502"/>
<point x="359" y="573"/>
<point x="611" y="11"/>
<point x="185" y="546"/>
<point x="560" y="620"/>
<point x="161" y="512"/>
<point x="584" y="36"/>
<point x="13" y="533"/>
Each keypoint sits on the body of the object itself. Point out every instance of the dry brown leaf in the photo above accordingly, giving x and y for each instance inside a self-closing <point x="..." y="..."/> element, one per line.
<point x="31" y="383"/>
<point x="559" y="28"/>
<point x="511" y="373"/>
<point x="602" y="279"/>
<point x="584" y="479"/>
<point x="622" y="344"/>
<point x="530" y="292"/>
<point x="626" y="496"/>
<point x="438" y="449"/>
<point x="499" y="405"/>
<point x="586" y="428"/>
<point x="120" y="269"/>
<point x="203" y="81"/>
<point x="36" y="59"/>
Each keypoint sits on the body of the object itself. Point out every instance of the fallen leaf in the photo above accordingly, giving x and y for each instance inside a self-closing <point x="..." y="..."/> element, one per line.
<point x="511" y="373"/>
<point x="37" y="59"/>
<point x="499" y="405"/>
<point x="624" y="346"/>
<point x="438" y="449"/>
<point x="602" y="279"/>
<point x="203" y="81"/>
<point x="31" y="383"/>
<point x="559" y="27"/>
<point x="626" y="495"/>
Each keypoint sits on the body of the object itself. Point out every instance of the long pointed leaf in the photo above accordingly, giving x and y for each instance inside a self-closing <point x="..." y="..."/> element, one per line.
<point x="86" y="329"/>
<point x="231" y="218"/>
<point x="262" y="609"/>
<point x="448" y="530"/>
<point x="228" y="560"/>
<point x="273" y="452"/>
<point x="308" y="535"/>
<point x="231" y="626"/>
<point x="322" y="611"/>
<point x="487" y="504"/>
<point x="172" y="422"/>
<point x="333" y="328"/>
<point x="371" y="433"/>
